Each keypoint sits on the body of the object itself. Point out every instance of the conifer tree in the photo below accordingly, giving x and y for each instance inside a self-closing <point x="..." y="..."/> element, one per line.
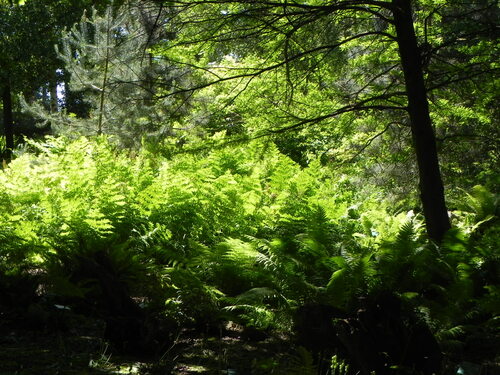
<point x="108" y="59"/>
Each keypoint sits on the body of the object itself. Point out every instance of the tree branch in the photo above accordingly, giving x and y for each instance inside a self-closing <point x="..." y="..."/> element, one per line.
<point x="259" y="71"/>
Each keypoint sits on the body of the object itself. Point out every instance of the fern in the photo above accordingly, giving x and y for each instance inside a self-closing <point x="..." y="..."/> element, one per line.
<point x="451" y="339"/>
<point x="339" y="366"/>
<point x="302" y="363"/>
<point x="237" y="233"/>
<point x="405" y="239"/>
<point x="254" y="315"/>
<point x="355" y="276"/>
<point x="482" y="203"/>
<point x="320" y="229"/>
<point x="478" y="209"/>
<point x="401" y="261"/>
<point x="259" y="307"/>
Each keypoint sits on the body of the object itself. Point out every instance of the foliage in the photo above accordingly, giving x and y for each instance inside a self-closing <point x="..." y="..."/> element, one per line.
<point x="267" y="174"/>
<point x="84" y="197"/>
<point x="240" y="233"/>
<point x="339" y="367"/>
<point x="342" y="93"/>
<point x="303" y="363"/>
<point x="107" y="59"/>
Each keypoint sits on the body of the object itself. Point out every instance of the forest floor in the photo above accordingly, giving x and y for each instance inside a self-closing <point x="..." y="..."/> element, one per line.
<point x="32" y="349"/>
<point x="33" y="342"/>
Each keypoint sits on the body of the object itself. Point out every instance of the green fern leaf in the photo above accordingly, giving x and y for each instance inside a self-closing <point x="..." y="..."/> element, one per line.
<point x="302" y="363"/>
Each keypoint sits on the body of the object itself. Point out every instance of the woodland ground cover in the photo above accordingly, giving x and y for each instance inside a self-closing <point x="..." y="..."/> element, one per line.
<point x="265" y="186"/>
<point x="160" y="248"/>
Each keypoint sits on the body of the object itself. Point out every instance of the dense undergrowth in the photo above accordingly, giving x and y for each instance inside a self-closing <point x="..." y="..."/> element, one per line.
<point x="153" y="245"/>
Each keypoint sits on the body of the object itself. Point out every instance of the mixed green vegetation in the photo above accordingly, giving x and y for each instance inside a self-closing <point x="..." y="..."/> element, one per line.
<point x="212" y="167"/>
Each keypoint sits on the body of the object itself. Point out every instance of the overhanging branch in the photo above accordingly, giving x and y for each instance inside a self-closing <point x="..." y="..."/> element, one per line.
<point x="260" y="71"/>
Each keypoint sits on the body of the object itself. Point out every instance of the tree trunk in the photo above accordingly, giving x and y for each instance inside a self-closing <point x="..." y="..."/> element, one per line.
<point x="54" y="100"/>
<point x="424" y="140"/>
<point x="8" y="124"/>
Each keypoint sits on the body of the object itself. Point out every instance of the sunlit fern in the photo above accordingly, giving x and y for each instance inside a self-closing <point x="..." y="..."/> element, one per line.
<point x="478" y="209"/>
<point x="339" y="366"/>
<point x="354" y="277"/>
<point x="259" y="307"/>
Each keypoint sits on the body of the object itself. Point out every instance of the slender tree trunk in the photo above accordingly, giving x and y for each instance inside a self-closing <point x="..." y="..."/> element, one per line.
<point x="105" y="77"/>
<point x="8" y="124"/>
<point x="54" y="101"/>
<point x="424" y="140"/>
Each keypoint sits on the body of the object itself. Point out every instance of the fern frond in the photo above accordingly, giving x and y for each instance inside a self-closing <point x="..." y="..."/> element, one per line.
<point x="254" y="315"/>
<point x="482" y="203"/>
<point x="260" y="296"/>
<point x="302" y="363"/>
<point x="405" y="239"/>
<point x="339" y="366"/>
<point x="451" y="339"/>
<point x="240" y="252"/>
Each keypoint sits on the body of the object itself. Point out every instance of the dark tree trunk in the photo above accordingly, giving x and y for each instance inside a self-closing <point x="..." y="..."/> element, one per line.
<point x="424" y="140"/>
<point x="8" y="124"/>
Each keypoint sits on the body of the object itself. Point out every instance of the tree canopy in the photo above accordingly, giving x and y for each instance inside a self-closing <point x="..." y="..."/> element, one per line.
<point x="361" y="56"/>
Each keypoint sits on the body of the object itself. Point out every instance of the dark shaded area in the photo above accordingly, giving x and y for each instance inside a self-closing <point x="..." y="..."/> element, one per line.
<point x="43" y="339"/>
<point x="130" y="328"/>
<point x="380" y="335"/>
<point x="44" y="333"/>
<point x="7" y="121"/>
<point x="25" y="125"/>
